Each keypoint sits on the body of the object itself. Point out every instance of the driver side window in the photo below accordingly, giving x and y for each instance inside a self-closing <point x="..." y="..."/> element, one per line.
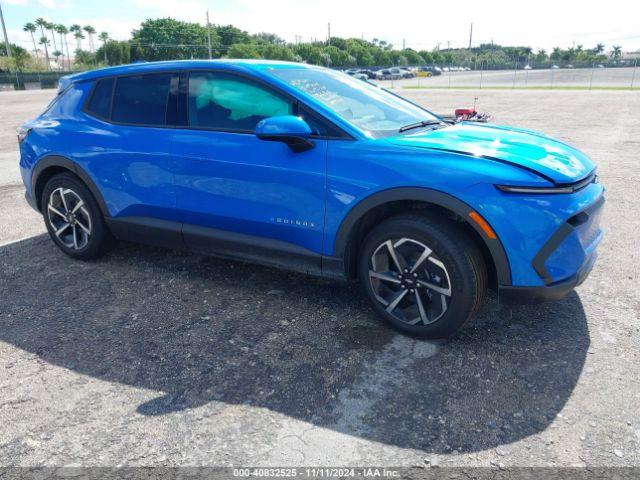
<point x="229" y="102"/>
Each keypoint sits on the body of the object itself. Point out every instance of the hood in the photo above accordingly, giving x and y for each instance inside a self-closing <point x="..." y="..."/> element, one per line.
<point x="548" y="157"/>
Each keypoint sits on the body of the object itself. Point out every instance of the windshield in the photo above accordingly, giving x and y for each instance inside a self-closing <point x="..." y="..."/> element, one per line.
<point x="373" y="110"/>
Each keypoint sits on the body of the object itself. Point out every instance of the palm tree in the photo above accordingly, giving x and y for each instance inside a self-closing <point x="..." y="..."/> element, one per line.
<point x="57" y="54"/>
<point x="31" y="28"/>
<point x="51" y="27"/>
<point x="62" y="31"/>
<point x="599" y="48"/>
<point x="44" y="41"/>
<point x="90" y="32"/>
<point x="77" y="34"/>
<point x="616" y="52"/>
<point x="41" y="22"/>
<point x="104" y="36"/>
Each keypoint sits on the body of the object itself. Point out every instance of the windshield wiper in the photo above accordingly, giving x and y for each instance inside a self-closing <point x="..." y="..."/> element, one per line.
<point x="423" y="123"/>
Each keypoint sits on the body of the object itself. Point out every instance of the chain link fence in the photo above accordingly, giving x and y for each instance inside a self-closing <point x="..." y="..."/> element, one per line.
<point x="474" y="75"/>
<point x="532" y="76"/>
<point x="30" y="80"/>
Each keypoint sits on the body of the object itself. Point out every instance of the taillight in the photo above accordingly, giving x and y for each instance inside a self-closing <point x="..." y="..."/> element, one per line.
<point x="22" y="133"/>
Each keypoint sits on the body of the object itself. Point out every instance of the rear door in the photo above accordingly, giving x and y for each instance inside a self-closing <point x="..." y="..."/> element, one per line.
<point x="128" y="155"/>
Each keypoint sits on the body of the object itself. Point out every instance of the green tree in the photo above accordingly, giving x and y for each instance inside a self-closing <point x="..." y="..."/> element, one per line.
<point x="19" y="57"/>
<point x="412" y="57"/>
<point x="271" y="51"/>
<point x="228" y="35"/>
<point x="426" y="56"/>
<point x="243" y="50"/>
<point x="83" y="59"/>
<point x="309" y="53"/>
<point x="115" y="52"/>
<point x="169" y="39"/>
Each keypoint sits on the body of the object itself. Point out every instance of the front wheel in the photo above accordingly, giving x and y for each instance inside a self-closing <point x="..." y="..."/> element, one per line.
<point x="423" y="274"/>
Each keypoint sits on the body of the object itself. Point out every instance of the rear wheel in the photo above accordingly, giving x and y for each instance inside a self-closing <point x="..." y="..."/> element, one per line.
<point x="73" y="219"/>
<point x="423" y="274"/>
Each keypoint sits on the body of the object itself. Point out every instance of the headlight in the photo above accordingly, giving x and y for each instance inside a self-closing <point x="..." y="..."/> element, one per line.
<point x="567" y="188"/>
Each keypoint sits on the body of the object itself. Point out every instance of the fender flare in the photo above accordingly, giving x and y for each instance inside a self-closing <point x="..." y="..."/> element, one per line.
<point x="495" y="247"/>
<point x="58" y="161"/>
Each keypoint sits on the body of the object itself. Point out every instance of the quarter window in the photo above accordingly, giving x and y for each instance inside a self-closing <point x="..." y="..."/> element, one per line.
<point x="141" y="99"/>
<point x="100" y="104"/>
<point x="228" y="102"/>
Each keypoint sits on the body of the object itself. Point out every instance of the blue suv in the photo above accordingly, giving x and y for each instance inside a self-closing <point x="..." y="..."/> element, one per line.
<point x="309" y="169"/>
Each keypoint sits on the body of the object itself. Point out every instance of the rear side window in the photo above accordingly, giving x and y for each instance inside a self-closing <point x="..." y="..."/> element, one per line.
<point x="141" y="99"/>
<point x="100" y="104"/>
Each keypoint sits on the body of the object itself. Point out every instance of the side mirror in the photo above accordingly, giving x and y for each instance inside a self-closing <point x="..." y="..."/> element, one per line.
<point x="289" y="129"/>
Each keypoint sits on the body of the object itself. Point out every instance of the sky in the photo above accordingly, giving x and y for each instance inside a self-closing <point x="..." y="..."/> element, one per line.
<point x="420" y="24"/>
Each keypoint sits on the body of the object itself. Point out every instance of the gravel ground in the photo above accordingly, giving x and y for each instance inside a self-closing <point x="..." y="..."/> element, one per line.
<point x="153" y="357"/>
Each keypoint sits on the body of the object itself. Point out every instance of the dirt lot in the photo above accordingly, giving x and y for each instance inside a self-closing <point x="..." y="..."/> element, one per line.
<point x="151" y="357"/>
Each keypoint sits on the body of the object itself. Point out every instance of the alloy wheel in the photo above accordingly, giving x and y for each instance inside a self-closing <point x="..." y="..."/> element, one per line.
<point x="410" y="281"/>
<point x="69" y="218"/>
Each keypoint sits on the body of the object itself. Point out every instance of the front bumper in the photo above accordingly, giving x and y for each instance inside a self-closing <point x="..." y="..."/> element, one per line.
<point x="569" y="253"/>
<point x="553" y="291"/>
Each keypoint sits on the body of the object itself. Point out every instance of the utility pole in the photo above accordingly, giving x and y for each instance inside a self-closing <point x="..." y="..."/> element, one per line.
<point x="403" y="45"/>
<point x="209" y="35"/>
<point x="4" y="31"/>
<point x="329" y="34"/>
<point x="470" y="35"/>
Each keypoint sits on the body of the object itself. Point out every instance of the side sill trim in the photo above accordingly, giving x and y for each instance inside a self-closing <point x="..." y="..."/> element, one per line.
<point x="238" y="246"/>
<point x="225" y="244"/>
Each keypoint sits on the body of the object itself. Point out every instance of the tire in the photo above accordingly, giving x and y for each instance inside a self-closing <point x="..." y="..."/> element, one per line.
<point x="73" y="218"/>
<point x="442" y="274"/>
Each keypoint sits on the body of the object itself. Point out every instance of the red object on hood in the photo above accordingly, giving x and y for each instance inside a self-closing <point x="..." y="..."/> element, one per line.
<point x="459" y="112"/>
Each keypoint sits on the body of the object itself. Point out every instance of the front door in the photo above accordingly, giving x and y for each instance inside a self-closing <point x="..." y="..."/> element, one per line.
<point x="237" y="192"/>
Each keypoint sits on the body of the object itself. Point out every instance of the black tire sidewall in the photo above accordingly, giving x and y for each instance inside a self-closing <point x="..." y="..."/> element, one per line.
<point x="449" y="245"/>
<point x="94" y="247"/>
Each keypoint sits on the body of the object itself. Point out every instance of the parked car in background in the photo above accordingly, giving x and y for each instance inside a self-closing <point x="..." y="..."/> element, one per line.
<point x="434" y="71"/>
<point x="406" y="73"/>
<point x="527" y="67"/>
<point x="369" y="73"/>
<point x="388" y="74"/>
<point x="397" y="73"/>
<point x="305" y="168"/>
